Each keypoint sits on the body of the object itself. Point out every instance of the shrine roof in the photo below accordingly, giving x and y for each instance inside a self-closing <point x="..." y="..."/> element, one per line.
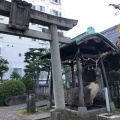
<point x="89" y="42"/>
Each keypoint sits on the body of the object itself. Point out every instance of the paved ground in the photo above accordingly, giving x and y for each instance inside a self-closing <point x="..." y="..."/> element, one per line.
<point x="6" y="113"/>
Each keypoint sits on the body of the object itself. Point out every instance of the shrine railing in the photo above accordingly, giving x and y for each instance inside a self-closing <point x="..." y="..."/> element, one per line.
<point x="114" y="87"/>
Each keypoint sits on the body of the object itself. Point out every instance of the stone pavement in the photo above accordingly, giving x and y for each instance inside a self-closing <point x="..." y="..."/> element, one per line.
<point x="6" y="113"/>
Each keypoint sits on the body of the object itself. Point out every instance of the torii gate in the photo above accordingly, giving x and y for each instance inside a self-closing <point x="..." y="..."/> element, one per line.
<point x="21" y="14"/>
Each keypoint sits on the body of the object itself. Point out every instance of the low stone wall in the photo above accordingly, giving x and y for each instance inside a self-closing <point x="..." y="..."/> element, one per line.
<point x="16" y="100"/>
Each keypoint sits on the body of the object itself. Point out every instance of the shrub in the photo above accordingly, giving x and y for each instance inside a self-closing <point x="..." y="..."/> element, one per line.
<point x="1" y="94"/>
<point x="115" y="75"/>
<point x="11" y="88"/>
<point x="28" y="83"/>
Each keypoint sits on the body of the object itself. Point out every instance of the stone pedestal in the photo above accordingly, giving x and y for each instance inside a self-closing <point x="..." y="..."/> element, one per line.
<point x="82" y="112"/>
<point x="112" y="106"/>
<point x="31" y="107"/>
<point x="60" y="115"/>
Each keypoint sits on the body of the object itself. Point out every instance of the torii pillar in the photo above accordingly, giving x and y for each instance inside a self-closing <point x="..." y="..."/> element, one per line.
<point x="56" y="70"/>
<point x="58" y="90"/>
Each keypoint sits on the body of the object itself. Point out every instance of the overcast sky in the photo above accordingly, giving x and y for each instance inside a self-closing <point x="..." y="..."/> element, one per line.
<point x="95" y="13"/>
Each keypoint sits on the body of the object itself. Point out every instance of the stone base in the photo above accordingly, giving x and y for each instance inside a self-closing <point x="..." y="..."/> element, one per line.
<point x="108" y="116"/>
<point x="82" y="112"/>
<point x="112" y="106"/>
<point x="50" y="104"/>
<point x="60" y="115"/>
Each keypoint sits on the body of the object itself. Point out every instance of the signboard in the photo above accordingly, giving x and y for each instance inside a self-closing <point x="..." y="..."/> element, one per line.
<point x="19" y="15"/>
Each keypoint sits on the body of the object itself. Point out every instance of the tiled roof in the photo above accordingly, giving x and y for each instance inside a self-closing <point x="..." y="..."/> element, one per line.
<point x="112" y="33"/>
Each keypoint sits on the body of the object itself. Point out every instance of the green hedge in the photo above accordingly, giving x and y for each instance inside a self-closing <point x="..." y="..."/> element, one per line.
<point x="11" y="88"/>
<point x="114" y="75"/>
<point x="28" y="83"/>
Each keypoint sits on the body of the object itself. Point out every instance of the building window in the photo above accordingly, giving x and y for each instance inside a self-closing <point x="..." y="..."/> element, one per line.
<point x="33" y="39"/>
<point x="55" y="1"/>
<point x="33" y="23"/>
<point x="20" y="37"/>
<point x="33" y="7"/>
<point x="41" y="8"/>
<point x="0" y="51"/>
<point x="20" y="54"/>
<point x="56" y="13"/>
<point x="18" y="71"/>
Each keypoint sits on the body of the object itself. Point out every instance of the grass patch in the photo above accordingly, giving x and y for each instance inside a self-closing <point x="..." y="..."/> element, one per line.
<point x="75" y="117"/>
<point x="117" y="112"/>
<point x="23" y="112"/>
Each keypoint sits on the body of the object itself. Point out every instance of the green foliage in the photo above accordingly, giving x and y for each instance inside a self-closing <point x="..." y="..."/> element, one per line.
<point x="115" y="75"/>
<point x="28" y="82"/>
<point x="65" y="69"/>
<point x="3" y="67"/>
<point x="35" y="63"/>
<point x="15" y="76"/>
<point x="11" y="88"/>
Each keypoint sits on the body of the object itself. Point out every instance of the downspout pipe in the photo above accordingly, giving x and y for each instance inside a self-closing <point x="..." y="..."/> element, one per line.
<point x="107" y="99"/>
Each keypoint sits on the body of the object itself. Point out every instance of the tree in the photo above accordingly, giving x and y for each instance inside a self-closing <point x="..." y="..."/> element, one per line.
<point x="36" y="64"/>
<point x="3" y="68"/>
<point x="116" y="6"/>
<point x="15" y="76"/>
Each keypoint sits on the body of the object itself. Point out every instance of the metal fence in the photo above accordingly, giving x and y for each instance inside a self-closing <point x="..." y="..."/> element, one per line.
<point x="114" y="88"/>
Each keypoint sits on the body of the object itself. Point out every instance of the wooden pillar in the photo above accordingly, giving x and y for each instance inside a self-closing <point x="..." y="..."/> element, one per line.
<point x="80" y="81"/>
<point x="56" y="70"/>
<point x="73" y="76"/>
<point x="105" y="77"/>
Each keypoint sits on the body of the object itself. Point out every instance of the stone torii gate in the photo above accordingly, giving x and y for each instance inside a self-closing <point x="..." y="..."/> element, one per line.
<point x="21" y="14"/>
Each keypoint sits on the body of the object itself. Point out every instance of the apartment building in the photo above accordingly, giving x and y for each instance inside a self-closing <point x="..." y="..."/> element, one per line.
<point x="13" y="48"/>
